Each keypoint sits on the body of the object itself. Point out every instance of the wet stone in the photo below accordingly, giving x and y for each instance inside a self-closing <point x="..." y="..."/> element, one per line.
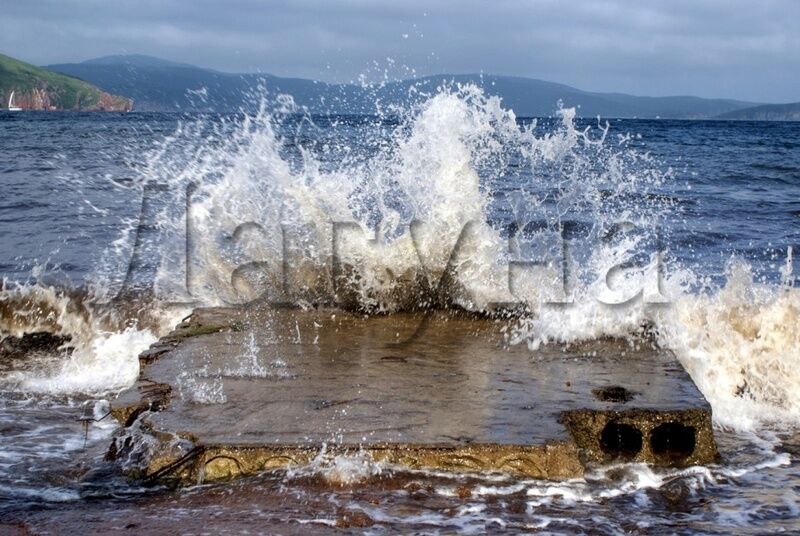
<point x="42" y="343"/>
<point x="353" y="519"/>
<point x="614" y="393"/>
<point x="262" y="389"/>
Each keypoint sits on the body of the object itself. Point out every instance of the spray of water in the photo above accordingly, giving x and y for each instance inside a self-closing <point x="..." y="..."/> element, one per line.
<point x="443" y="205"/>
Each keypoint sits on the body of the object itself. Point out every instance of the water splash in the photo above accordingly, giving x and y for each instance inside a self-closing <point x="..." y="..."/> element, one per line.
<point x="95" y="349"/>
<point x="377" y="229"/>
<point x="268" y="190"/>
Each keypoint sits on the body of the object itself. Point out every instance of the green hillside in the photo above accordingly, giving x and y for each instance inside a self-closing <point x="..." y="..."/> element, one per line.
<point x="39" y="89"/>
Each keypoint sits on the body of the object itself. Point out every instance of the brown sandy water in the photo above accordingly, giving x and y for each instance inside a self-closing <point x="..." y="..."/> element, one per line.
<point x="624" y="499"/>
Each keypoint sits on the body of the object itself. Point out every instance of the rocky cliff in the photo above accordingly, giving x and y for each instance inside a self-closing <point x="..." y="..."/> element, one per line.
<point x="39" y="89"/>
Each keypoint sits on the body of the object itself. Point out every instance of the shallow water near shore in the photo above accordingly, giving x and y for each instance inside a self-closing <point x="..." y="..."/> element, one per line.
<point x="721" y="199"/>
<point x="753" y="491"/>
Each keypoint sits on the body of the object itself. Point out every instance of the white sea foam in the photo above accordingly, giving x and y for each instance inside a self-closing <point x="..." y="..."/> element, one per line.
<point x="107" y="363"/>
<point x="100" y="351"/>
<point x="741" y="345"/>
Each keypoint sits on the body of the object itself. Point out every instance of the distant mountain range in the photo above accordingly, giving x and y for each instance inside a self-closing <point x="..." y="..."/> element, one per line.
<point x="159" y="85"/>
<point x="35" y="88"/>
<point x="766" y="112"/>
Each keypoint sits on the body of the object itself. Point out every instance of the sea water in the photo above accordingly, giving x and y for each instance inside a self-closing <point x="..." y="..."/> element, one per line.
<point x="115" y="225"/>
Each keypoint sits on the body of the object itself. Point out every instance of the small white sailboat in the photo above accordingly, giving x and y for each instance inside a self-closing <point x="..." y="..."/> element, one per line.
<point x="11" y="106"/>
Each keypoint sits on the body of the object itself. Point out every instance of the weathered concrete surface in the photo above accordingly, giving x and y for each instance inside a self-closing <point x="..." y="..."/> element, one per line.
<point x="255" y="389"/>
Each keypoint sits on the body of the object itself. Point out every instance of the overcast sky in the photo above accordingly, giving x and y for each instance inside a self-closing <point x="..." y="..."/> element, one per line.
<point x="745" y="49"/>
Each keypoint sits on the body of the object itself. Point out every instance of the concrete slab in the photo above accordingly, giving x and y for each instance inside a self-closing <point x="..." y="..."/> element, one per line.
<point x="255" y="389"/>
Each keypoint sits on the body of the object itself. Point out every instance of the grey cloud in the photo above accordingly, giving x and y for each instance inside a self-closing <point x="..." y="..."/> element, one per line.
<point x="735" y="48"/>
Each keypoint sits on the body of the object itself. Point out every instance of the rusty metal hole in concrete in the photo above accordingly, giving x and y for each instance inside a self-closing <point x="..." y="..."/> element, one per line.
<point x="614" y="393"/>
<point x="620" y="440"/>
<point x="672" y="441"/>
